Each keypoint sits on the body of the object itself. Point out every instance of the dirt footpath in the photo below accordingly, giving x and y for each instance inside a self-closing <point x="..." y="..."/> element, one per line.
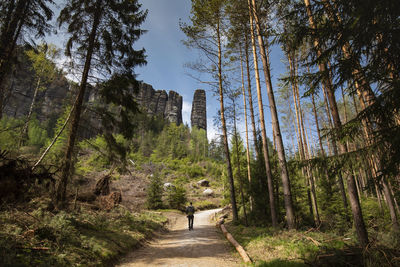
<point x="204" y="246"/>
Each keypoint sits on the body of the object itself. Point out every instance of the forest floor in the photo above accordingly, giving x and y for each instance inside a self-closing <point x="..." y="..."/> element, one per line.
<point x="204" y="246"/>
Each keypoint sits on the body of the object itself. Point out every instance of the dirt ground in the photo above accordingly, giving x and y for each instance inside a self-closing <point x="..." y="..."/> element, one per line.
<point x="204" y="246"/>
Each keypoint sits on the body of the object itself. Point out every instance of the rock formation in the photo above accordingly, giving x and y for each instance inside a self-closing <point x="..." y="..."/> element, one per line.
<point x="50" y="102"/>
<point x="158" y="102"/>
<point x="199" y="115"/>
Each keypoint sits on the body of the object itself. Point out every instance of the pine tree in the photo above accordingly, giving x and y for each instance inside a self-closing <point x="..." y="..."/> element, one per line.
<point x="263" y="47"/>
<point x="206" y="34"/>
<point x="104" y="30"/>
<point x="16" y="18"/>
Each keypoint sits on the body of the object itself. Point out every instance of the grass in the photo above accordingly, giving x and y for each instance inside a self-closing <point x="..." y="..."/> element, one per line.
<point x="85" y="238"/>
<point x="206" y="204"/>
<point x="271" y="247"/>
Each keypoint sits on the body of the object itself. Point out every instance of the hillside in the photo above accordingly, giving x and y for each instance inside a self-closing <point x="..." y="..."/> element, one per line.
<point x="36" y="233"/>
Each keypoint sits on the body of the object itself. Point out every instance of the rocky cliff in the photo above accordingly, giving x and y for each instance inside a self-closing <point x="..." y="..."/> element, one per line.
<point x="199" y="115"/>
<point x="49" y="102"/>
<point x="158" y="102"/>
<point x="52" y="99"/>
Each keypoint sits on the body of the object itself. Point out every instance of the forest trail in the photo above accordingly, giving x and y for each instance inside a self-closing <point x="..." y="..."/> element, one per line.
<point x="204" y="246"/>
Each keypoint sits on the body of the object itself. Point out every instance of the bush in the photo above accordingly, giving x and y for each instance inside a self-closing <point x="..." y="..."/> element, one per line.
<point x="10" y="130"/>
<point x="154" y="193"/>
<point x="177" y="198"/>
<point x="194" y="171"/>
<point x="37" y="134"/>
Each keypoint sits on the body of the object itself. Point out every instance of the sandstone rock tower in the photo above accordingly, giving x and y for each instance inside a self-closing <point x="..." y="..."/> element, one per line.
<point x="158" y="102"/>
<point x="199" y="116"/>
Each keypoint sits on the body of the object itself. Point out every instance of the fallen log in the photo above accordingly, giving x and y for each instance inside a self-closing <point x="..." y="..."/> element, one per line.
<point x="237" y="246"/>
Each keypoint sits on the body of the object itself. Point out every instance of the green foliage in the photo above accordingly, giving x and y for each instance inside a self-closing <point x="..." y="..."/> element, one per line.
<point x="101" y="156"/>
<point x="205" y="205"/>
<point x="173" y="142"/>
<point x="176" y="198"/>
<point x="56" y="154"/>
<point x="85" y="238"/>
<point x="154" y="192"/>
<point x="36" y="133"/>
<point x="10" y="129"/>
<point x="42" y="59"/>
<point x="17" y="19"/>
<point x="198" y="144"/>
<point x="194" y="171"/>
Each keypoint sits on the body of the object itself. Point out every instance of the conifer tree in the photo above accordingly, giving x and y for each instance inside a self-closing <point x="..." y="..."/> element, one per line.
<point x="104" y="30"/>
<point x="206" y="34"/>
<point x="16" y="18"/>
<point x="263" y="47"/>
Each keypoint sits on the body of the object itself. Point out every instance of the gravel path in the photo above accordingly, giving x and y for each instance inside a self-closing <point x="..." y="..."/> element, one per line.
<point x="204" y="246"/>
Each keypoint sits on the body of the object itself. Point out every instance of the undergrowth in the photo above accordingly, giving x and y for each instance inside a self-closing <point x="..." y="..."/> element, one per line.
<point x="37" y="237"/>
<point x="271" y="247"/>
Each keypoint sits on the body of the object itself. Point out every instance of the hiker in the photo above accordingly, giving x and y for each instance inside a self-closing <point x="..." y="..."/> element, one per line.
<point x="190" y="215"/>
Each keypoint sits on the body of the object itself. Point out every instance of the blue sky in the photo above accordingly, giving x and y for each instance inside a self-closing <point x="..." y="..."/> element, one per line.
<point x="166" y="56"/>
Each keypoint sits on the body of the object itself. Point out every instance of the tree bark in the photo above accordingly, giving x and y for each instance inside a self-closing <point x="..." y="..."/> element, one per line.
<point x="299" y="131"/>
<point x="274" y="219"/>
<point x="61" y="187"/>
<point x="10" y="32"/>
<point x="290" y="219"/>
<point x="321" y="147"/>
<point x="367" y="98"/>
<point x="224" y="131"/>
<point x="247" y="132"/>
<point x="24" y="131"/>
<point x="253" y="122"/>
<point x="238" y="164"/>
<point x="351" y="187"/>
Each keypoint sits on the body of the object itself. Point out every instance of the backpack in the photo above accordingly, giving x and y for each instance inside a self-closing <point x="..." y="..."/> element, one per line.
<point x="190" y="210"/>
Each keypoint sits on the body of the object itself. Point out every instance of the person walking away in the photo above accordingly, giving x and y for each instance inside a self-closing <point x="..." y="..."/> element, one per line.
<point x="190" y="215"/>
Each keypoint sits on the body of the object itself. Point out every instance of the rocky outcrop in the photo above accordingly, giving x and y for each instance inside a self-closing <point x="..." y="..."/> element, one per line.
<point x="158" y="102"/>
<point x="199" y="114"/>
<point x="49" y="102"/>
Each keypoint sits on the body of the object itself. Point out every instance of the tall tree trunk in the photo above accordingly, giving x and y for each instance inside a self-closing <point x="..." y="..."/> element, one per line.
<point x="301" y="138"/>
<point x="274" y="218"/>
<point x="320" y="143"/>
<point x="275" y="122"/>
<point x="61" y="187"/>
<point x="321" y="147"/>
<point x="238" y="164"/>
<point x="10" y="32"/>
<point x="224" y="131"/>
<point x="334" y="144"/>
<point x="304" y="153"/>
<point x="352" y="190"/>
<point x="366" y="94"/>
<point x="307" y="156"/>
<point x="24" y="132"/>
<point x="253" y="122"/>
<point x="328" y="114"/>
<point x="247" y="132"/>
